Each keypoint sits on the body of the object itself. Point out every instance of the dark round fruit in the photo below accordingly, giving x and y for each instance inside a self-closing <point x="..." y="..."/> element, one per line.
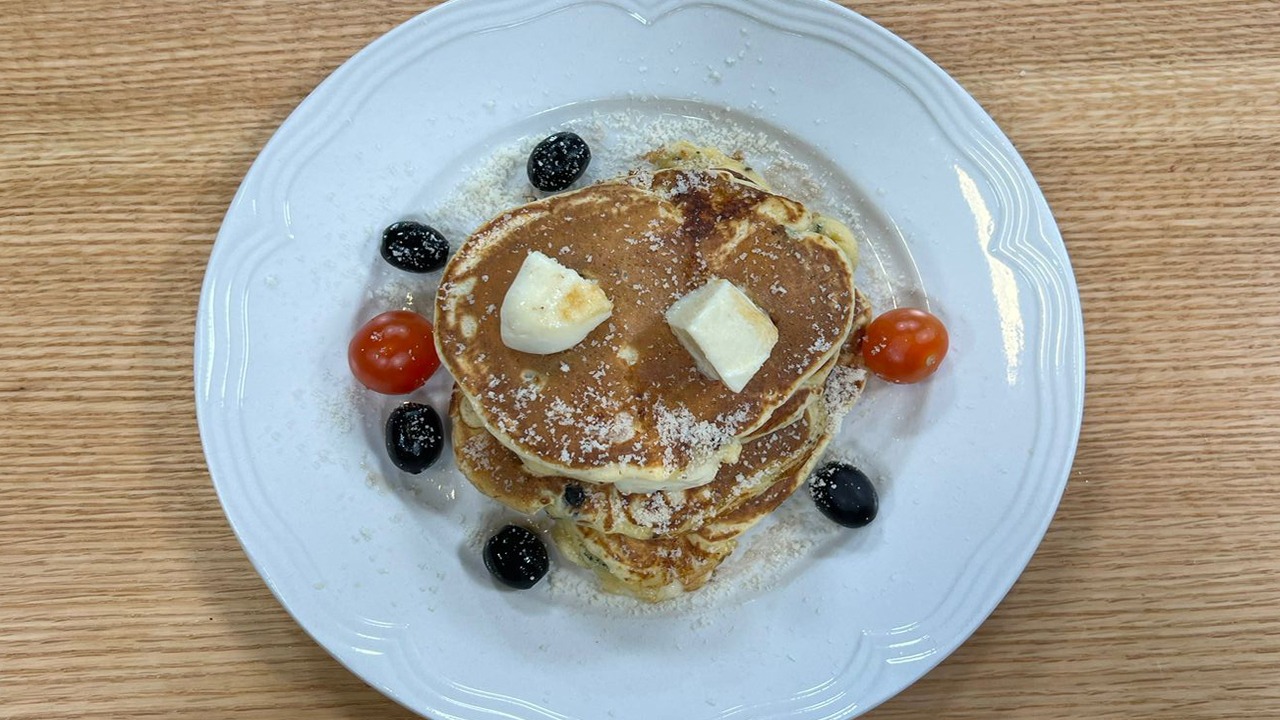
<point x="415" y="437"/>
<point x="558" y="162"/>
<point x="574" y="495"/>
<point x="844" y="493"/>
<point x="414" y="247"/>
<point x="516" y="557"/>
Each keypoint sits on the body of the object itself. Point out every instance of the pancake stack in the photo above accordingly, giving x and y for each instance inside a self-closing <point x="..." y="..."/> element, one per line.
<point x="650" y="469"/>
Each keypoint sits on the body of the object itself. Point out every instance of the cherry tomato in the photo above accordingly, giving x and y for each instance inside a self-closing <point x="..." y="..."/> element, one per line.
<point x="394" y="353"/>
<point x="905" y="345"/>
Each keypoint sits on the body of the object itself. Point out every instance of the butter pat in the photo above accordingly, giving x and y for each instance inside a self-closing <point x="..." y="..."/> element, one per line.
<point x="550" y="308"/>
<point x="727" y="335"/>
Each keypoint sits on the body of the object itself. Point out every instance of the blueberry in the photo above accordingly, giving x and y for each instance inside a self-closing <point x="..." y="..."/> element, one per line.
<point x="415" y="437"/>
<point x="414" y="247"/>
<point x="557" y="162"/>
<point x="516" y="557"/>
<point x="843" y="493"/>
<point x="574" y="495"/>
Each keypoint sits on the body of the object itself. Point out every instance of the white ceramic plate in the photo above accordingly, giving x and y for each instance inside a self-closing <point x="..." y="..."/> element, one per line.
<point x="807" y="621"/>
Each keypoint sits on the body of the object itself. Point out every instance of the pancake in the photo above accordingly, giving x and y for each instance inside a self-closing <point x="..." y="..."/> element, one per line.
<point x="627" y="406"/>
<point x="663" y="568"/>
<point x="651" y="570"/>
<point x="497" y="472"/>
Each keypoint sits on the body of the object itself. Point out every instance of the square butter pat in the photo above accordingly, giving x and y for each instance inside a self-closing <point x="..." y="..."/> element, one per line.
<point x="727" y="335"/>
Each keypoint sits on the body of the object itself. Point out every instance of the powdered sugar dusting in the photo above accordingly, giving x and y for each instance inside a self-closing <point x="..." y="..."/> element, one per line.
<point x="678" y="427"/>
<point x="493" y="184"/>
<point x="843" y="388"/>
<point x="654" y="511"/>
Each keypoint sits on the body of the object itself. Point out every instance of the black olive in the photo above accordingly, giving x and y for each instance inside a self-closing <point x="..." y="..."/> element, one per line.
<point x="558" y="162"/>
<point x="414" y="247"/>
<point x="516" y="557"/>
<point x="574" y="495"/>
<point x="415" y="437"/>
<point x="844" y="493"/>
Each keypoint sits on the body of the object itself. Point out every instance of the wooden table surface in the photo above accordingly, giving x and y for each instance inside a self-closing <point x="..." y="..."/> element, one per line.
<point x="1153" y="127"/>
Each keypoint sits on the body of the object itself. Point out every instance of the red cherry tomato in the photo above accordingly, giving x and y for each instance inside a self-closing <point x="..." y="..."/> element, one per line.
<point x="394" y="353"/>
<point x="905" y="345"/>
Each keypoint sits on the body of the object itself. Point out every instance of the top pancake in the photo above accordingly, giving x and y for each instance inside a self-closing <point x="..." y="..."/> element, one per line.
<point x="627" y="406"/>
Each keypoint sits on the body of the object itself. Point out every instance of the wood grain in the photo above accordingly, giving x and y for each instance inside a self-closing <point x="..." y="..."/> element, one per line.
<point x="1153" y="127"/>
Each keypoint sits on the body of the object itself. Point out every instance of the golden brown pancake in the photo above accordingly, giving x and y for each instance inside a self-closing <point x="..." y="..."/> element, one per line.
<point x="627" y="405"/>
<point x="661" y="568"/>
<point x="498" y="473"/>
<point x="652" y="570"/>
